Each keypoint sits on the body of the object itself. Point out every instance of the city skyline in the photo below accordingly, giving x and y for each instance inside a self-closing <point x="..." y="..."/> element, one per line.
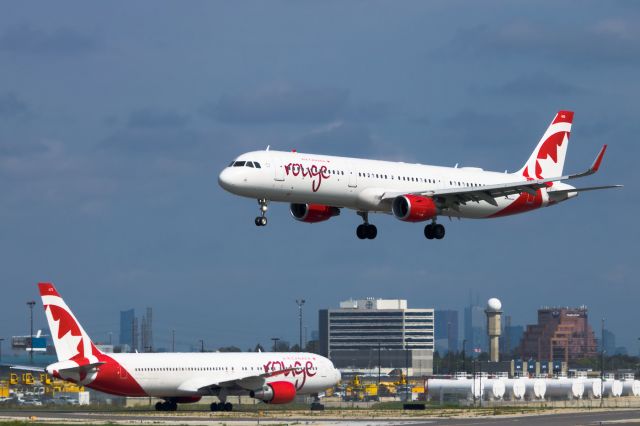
<point x="115" y="123"/>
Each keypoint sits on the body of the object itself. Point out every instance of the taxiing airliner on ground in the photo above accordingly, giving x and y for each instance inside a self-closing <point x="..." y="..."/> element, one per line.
<point x="318" y="186"/>
<point x="272" y="377"/>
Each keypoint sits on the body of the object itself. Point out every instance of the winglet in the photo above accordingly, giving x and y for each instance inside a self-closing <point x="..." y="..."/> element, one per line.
<point x="596" y="164"/>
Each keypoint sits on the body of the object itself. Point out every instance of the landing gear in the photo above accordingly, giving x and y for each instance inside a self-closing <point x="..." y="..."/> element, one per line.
<point x="166" y="406"/>
<point x="434" y="230"/>
<point x="262" y="219"/>
<point x="366" y="230"/>
<point x="221" y="406"/>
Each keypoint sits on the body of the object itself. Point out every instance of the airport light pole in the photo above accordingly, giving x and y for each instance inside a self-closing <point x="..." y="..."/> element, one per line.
<point x="1" y="340"/>
<point x="275" y="343"/>
<point x="31" y="304"/>
<point x="602" y="365"/>
<point x="173" y="340"/>
<point x="201" y="345"/>
<point x="464" y="359"/>
<point x="300" y="302"/>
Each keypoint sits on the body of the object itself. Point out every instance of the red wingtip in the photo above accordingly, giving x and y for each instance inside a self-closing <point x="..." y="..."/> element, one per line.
<point x="596" y="164"/>
<point x="47" y="289"/>
<point x="563" y="117"/>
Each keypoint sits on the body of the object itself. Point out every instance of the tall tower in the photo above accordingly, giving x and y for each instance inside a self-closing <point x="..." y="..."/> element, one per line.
<point x="494" y="312"/>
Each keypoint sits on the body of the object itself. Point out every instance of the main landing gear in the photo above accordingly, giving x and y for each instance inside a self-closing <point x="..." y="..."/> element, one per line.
<point x="262" y="219"/>
<point x="166" y="406"/>
<point x="366" y="230"/>
<point x="434" y="230"/>
<point x="221" y="406"/>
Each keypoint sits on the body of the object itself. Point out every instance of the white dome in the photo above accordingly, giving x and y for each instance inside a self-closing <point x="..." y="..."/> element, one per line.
<point x="494" y="304"/>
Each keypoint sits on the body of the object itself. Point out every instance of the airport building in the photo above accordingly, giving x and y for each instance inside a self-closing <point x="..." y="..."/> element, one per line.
<point x="562" y="334"/>
<point x="371" y="333"/>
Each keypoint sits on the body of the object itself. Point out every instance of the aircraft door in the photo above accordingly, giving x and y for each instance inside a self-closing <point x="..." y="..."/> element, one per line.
<point x="353" y="177"/>
<point x="278" y="168"/>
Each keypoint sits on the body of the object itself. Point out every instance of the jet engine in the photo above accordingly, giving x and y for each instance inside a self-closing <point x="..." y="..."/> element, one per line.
<point x="275" y="393"/>
<point x="312" y="213"/>
<point x="414" y="208"/>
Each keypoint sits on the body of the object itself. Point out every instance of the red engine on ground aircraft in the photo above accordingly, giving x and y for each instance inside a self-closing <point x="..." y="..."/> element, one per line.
<point x="414" y="208"/>
<point x="275" y="393"/>
<point x="312" y="213"/>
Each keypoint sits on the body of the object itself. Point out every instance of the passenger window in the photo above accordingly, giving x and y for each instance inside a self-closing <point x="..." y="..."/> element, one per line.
<point x="238" y="164"/>
<point x="256" y="164"/>
<point x="249" y="164"/>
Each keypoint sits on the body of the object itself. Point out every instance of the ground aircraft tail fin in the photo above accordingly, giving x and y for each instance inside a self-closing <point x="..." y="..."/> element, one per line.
<point x="69" y="338"/>
<point x="547" y="160"/>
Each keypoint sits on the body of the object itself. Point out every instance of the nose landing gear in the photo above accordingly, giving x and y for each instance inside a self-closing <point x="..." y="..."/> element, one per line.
<point x="262" y="219"/>
<point x="366" y="230"/>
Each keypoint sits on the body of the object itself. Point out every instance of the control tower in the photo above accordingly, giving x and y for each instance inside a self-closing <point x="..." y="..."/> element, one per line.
<point x="494" y="313"/>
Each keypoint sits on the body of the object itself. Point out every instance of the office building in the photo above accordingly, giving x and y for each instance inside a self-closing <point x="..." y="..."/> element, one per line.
<point x="446" y="330"/>
<point x="368" y="333"/>
<point x="146" y="332"/>
<point x="475" y="329"/>
<point x="129" y="329"/>
<point x="561" y="334"/>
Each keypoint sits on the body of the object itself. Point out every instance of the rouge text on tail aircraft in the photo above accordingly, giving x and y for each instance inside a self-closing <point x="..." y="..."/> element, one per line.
<point x="272" y="377"/>
<point x="319" y="186"/>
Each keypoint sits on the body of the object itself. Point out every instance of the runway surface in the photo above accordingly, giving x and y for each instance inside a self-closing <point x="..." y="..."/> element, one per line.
<point x="612" y="417"/>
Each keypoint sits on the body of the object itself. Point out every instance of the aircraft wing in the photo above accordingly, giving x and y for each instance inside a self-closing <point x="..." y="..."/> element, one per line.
<point x="25" y="368"/>
<point x="248" y="382"/>
<point x="452" y="197"/>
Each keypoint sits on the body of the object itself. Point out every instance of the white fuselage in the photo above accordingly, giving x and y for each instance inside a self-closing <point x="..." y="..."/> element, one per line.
<point x="359" y="184"/>
<point x="165" y="375"/>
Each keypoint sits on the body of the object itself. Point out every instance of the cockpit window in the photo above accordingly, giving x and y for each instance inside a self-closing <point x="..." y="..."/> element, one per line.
<point x="250" y="164"/>
<point x="231" y="164"/>
<point x="238" y="164"/>
<point x="256" y="164"/>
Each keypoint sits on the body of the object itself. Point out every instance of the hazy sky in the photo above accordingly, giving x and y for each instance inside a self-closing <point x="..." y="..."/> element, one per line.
<point x="116" y="118"/>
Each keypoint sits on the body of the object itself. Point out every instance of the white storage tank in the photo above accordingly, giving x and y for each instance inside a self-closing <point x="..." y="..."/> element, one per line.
<point x="592" y="388"/>
<point x="612" y="388"/>
<point x="535" y="389"/>
<point x="493" y="389"/>
<point x="514" y="388"/>
<point x="447" y="388"/>
<point x="565" y="388"/>
<point x="631" y="388"/>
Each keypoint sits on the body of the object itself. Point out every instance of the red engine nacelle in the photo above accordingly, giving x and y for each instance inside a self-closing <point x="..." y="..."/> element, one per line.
<point x="276" y="393"/>
<point x="312" y="213"/>
<point x="414" y="208"/>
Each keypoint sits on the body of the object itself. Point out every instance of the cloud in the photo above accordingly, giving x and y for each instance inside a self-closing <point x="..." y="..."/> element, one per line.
<point x="538" y="84"/>
<point x="338" y="138"/>
<point x="151" y="117"/>
<point x="282" y="104"/>
<point x="24" y="39"/>
<point x="12" y="106"/>
<point x="603" y="42"/>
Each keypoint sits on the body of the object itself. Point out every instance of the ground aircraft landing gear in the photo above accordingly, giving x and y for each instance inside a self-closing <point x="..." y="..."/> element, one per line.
<point x="221" y="406"/>
<point x="434" y="230"/>
<point x="262" y="219"/>
<point x="166" y="406"/>
<point x="366" y="230"/>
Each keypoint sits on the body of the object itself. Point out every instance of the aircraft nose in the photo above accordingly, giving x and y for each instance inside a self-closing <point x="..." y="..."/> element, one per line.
<point x="337" y="374"/>
<point x="225" y="179"/>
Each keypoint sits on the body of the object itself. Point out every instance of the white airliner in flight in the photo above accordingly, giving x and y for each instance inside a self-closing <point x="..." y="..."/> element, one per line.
<point x="272" y="377"/>
<point x="318" y="186"/>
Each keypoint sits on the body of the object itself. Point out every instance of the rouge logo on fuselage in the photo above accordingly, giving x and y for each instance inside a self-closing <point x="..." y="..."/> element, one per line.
<point x="314" y="172"/>
<point x="296" y="370"/>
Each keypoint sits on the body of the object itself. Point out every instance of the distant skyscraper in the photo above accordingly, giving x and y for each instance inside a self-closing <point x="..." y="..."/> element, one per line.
<point x="609" y="342"/>
<point x="446" y="330"/>
<point x="147" y="331"/>
<point x="127" y="327"/>
<point x="475" y="329"/>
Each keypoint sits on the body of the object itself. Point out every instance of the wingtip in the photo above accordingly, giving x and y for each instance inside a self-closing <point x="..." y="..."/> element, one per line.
<point x="598" y="160"/>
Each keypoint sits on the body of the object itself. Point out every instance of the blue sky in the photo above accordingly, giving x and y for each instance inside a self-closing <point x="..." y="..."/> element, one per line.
<point x="116" y="118"/>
